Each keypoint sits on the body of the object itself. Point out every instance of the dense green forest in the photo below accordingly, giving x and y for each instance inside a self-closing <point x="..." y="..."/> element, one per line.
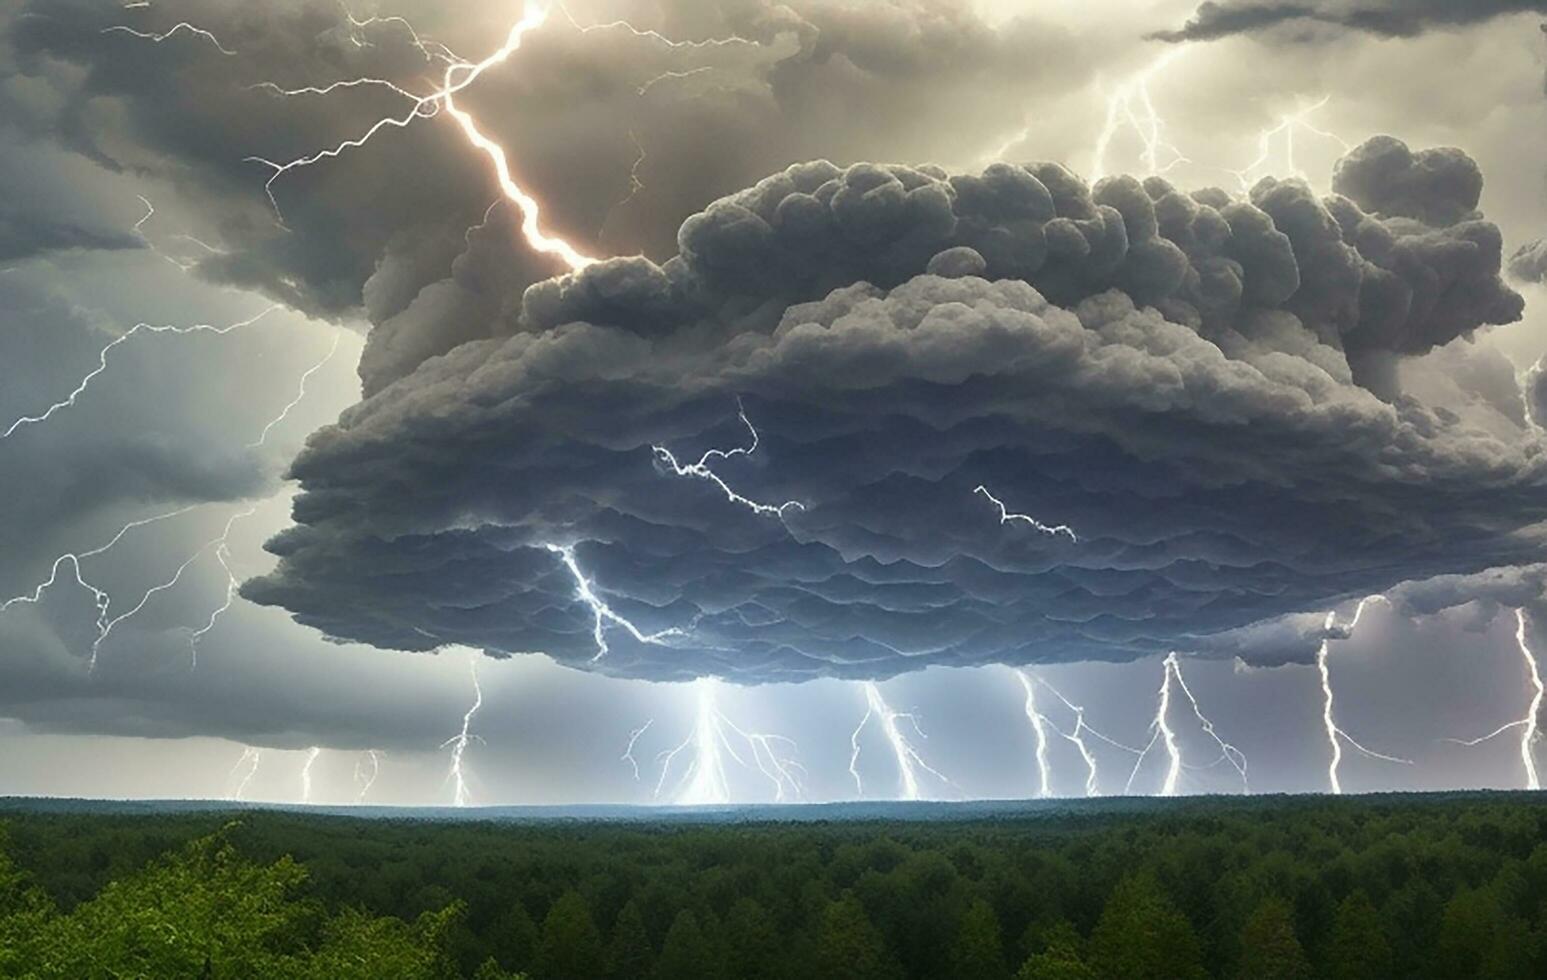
<point x="1427" y="887"/>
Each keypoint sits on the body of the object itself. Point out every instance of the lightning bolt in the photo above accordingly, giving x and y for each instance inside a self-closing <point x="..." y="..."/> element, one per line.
<point x="300" y="393"/>
<point x="633" y="739"/>
<point x="1528" y="724"/>
<point x="1005" y="517"/>
<point x="1075" y="736"/>
<point x="180" y="28"/>
<point x="1335" y="735"/>
<point x="365" y="777"/>
<point x="138" y="329"/>
<point x="460" y="741"/>
<point x="704" y="782"/>
<point x="1163" y="734"/>
<point x="700" y="470"/>
<point x="909" y="761"/>
<point x="1039" y="727"/>
<point x="252" y="758"/>
<point x="1130" y="104"/>
<point x="306" y="773"/>
<point x="601" y="612"/>
<point x="1228" y="753"/>
<point x="1284" y="131"/>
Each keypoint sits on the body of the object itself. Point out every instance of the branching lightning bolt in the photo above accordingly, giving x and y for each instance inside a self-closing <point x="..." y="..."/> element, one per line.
<point x="1075" y="736"/>
<point x="700" y="470"/>
<point x="1131" y="104"/>
<point x="1229" y="753"/>
<point x="1528" y="724"/>
<point x="365" y="775"/>
<point x="1285" y="130"/>
<point x="1335" y="735"/>
<point x="703" y="782"/>
<point x="300" y="393"/>
<point x="633" y="739"/>
<point x="139" y="328"/>
<point x="460" y="741"/>
<point x="1039" y="727"/>
<point x="909" y="761"/>
<point x="251" y="759"/>
<point x="1005" y="517"/>
<point x="601" y="612"/>
<point x="1163" y="734"/>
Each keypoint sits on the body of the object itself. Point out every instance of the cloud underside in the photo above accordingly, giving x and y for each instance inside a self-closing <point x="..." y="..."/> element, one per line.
<point x="1386" y="18"/>
<point x="1206" y="390"/>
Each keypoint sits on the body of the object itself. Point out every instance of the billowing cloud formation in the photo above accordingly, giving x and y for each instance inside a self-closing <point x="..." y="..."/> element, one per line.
<point x="1184" y="380"/>
<point x="1390" y="18"/>
<point x="1529" y="263"/>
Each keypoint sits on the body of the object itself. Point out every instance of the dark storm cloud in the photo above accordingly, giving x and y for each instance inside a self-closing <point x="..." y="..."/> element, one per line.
<point x="1390" y="18"/>
<point x="379" y="229"/>
<point x="1529" y="263"/>
<point x="1177" y="377"/>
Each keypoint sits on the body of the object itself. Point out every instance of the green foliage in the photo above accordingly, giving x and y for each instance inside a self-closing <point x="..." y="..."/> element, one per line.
<point x="1432" y="888"/>
<point x="1269" y="949"/>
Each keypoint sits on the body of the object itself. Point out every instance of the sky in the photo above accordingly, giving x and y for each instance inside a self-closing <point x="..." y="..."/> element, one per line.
<point x="734" y="401"/>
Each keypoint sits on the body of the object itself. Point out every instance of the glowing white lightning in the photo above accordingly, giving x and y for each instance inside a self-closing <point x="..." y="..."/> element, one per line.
<point x="460" y="741"/>
<point x="365" y="777"/>
<point x="176" y="29"/>
<point x="700" y="470"/>
<point x="1162" y="733"/>
<point x="300" y="393"/>
<point x="251" y="758"/>
<point x="1285" y="130"/>
<point x="1228" y="752"/>
<point x="1528" y="724"/>
<point x="306" y="773"/>
<point x="1039" y="726"/>
<point x="139" y="328"/>
<point x="633" y="739"/>
<point x="1075" y="736"/>
<point x="704" y="781"/>
<point x="1131" y="104"/>
<point x="1335" y="735"/>
<point x="909" y="762"/>
<point x="1005" y="517"/>
<point x="600" y="611"/>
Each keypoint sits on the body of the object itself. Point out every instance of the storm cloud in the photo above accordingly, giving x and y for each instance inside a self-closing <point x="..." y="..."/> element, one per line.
<point x="1202" y="387"/>
<point x="1388" y="18"/>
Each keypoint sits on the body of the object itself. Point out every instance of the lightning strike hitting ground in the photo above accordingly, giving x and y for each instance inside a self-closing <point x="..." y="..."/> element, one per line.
<point x="1229" y="753"/>
<point x="1076" y="735"/>
<point x="1335" y="735"/>
<point x="1130" y="104"/>
<point x="1162" y="733"/>
<point x="1039" y="726"/>
<point x="459" y="742"/>
<point x="704" y="782"/>
<point x="251" y="759"/>
<point x="633" y="739"/>
<point x="1005" y="517"/>
<point x="1283" y="135"/>
<point x="909" y="762"/>
<point x="306" y="773"/>
<point x="139" y="328"/>
<point x="600" y="611"/>
<point x="1529" y="723"/>
<point x="700" y="470"/>
<point x="366" y="771"/>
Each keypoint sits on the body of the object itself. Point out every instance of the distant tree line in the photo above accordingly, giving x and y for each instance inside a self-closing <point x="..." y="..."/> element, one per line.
<point x="1428" y="888"/>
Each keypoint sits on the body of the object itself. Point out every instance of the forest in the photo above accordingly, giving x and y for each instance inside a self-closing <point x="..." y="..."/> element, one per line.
<point x="1444" y="886"/>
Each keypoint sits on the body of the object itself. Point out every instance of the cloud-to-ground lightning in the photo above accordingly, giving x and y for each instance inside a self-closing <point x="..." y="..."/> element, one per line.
<point x="1039" y="727"/>
<point x="1336" y="736"/>
<point x="367" y="768"/>
<point x="628" y="752"/>
<point x="1131" y="104"/>
<point x="700" y="470"/>
<point x="909" y="761"/>
<point x="1283" y="134"/>
<point x="1162" y="733"/>
<point x="1529" y="724"/>
<point x="602" y="614"/>
<point x="244" y="770"/>
<point x="140" y="328"/>
<point x="1006" y="517"/>
<point x="306" y="773"/>
<point x="1074" y="736"/>
<point x="460" y="741"/>
<point x="703" y="781"/>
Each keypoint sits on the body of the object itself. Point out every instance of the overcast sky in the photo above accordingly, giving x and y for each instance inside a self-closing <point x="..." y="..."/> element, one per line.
<point x="402" y="431"/>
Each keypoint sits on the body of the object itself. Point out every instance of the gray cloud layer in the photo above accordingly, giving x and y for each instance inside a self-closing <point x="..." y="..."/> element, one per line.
<point x="1389" y="18"/>
<point x="1205" y="388"/>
